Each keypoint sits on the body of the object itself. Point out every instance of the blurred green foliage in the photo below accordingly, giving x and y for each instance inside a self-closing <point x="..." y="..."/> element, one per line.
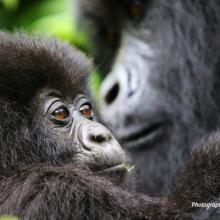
<point x="54" y="17"/>
<point x="47" y="17"/>
<point x="8" y="218"/>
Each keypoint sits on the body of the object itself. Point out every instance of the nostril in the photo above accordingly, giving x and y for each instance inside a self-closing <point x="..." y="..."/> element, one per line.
<point x="112" y="94"/>
<point x="98" y="139"/>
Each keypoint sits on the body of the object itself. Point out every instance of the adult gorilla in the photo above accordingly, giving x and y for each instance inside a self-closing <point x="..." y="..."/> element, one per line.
<point x="162" y="92"/>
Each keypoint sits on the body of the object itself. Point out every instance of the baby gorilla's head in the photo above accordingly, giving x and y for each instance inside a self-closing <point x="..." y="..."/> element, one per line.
<point x="45" y="114"/>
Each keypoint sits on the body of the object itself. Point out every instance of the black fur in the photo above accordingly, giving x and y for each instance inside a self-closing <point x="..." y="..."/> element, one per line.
<point x="199" y="182"/>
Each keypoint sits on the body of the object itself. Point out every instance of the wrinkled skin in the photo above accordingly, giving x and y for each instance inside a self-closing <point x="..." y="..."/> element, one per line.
<point x="160" y="93"/>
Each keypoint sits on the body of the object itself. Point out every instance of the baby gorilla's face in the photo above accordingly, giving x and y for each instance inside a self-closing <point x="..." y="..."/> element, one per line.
<point x="71" y="121"/>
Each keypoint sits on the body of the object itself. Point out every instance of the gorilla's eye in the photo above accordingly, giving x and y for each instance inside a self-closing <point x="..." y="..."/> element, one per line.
<point x="86" y="110"/>
<point x="61" y="113"/>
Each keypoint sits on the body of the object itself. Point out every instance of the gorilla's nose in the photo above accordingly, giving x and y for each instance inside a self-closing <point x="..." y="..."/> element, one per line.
<point x="95" y="135"/>
<point x="99" y="135"/>
<point x="120" y="83"/>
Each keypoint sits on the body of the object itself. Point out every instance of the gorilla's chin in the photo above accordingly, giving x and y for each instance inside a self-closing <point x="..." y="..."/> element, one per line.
<point x="121" y="175"/>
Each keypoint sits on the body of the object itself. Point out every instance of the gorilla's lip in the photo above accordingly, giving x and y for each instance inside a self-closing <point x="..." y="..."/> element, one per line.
<point x="146" y="135"/>
<point x="118" y="168"/>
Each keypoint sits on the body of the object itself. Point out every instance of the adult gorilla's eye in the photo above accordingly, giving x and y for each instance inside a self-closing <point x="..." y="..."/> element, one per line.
<point x="86" y="110"/>
<point x="61" y="113"/>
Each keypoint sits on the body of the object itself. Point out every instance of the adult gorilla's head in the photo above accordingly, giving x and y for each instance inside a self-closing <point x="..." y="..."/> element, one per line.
<point x="162" y="90"/>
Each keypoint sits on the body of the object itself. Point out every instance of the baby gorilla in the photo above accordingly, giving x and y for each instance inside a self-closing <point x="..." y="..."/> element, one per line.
<point x="56" y="162"/>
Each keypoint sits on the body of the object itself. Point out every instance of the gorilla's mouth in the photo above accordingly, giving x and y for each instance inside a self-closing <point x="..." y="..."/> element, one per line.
<point x="121" y="168"/>
<point x="146" y="135"/>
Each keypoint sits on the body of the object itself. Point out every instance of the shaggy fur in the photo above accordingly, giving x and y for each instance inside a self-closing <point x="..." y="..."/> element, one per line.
<point x="39" y="178"/>
<point x="199" y="182"/>
<point x="166" y="66"/>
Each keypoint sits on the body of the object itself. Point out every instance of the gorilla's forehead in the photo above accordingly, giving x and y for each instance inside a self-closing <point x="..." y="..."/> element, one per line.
<point x="28" y="64"/>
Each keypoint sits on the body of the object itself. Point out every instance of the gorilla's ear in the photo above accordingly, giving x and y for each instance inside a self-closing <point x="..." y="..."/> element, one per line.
<point x="28" y="64"/>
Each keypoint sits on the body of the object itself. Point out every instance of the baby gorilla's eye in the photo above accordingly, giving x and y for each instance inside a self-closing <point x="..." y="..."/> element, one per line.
<point x="86" y="110"/>
<point x="61" y="113"/>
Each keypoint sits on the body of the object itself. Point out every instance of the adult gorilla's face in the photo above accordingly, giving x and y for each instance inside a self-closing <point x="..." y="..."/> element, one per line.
<point x="158" y="97"/>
